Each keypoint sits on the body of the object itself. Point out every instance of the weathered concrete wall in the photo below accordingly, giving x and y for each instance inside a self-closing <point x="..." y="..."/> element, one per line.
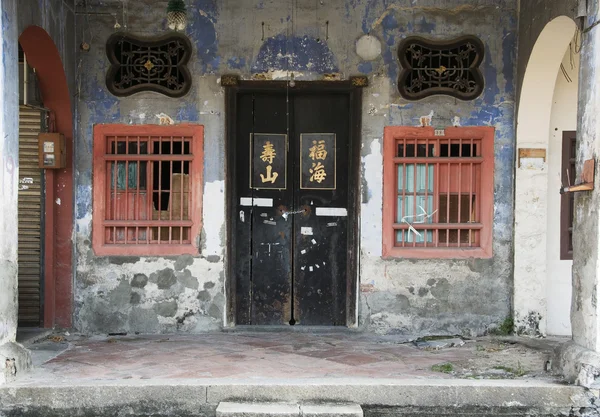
<point x="585" y="311"/>
<point x="9" y="174"/>
<point x="166" y="294"/>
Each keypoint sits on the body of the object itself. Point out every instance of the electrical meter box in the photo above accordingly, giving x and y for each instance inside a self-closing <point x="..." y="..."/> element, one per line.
<point x="52" y="150"/>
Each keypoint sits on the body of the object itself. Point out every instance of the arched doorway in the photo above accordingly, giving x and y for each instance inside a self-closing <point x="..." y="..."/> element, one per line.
<point x="542" y="281"/>
<point x="43" y="56"/>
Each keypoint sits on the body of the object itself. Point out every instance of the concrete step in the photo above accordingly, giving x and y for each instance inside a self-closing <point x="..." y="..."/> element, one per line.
<point x="235" y="409"/>
<point x="331" y="410"/>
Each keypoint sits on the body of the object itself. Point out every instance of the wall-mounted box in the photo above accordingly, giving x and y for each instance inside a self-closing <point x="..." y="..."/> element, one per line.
<point x="52" y="150"/>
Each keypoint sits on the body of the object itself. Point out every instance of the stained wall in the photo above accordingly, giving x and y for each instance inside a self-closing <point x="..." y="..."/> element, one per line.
<point x="310" y="38"/>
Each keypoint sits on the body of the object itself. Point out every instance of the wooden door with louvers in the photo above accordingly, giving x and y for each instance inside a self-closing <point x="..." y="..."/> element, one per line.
<point x="30" y="219"/>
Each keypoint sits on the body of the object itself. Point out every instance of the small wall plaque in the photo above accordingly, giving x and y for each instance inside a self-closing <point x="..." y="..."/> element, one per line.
<point x="534" y="153"/>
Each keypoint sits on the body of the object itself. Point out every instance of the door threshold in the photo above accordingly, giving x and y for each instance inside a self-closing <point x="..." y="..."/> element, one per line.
<point x="294" y="329"/>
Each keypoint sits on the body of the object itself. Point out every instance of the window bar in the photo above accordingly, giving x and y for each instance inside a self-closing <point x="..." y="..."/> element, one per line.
<point x="170" y="203"/>
<point x="415" y="187"/>
<point x="478" y="204"/>
<point x="436" y="193"/>
<point x="448" y="196"/>
<point x="115" y="184"/>
<point x="405" y="233"/>
<point x="136" y="205"/>
<point x="181" y="194"/>
<point x="471" y="195"/>
<point x="126" y="193"/>
<point x="460" y="154"/>
<point x="426" y="208"/>
<point x="149" y="189"/>
<point x="159" y="187"/>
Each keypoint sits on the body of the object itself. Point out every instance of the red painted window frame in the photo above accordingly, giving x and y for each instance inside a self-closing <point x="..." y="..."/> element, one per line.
<point x="99" y="189"/>
<point x="391" y="134"/>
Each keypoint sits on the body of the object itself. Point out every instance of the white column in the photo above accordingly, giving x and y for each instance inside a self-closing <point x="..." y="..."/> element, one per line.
<point x="585" y="308"/>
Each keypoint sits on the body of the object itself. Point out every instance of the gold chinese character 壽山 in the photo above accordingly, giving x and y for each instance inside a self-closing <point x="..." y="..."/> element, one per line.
<point x="268" y="154"/>
<point x="317" y="151"/>
<point x="318" y="172"/>
<point x="271" y="176"/>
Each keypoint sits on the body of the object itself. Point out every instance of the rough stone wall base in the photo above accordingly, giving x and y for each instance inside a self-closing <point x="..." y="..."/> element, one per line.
<point x="21" y="356"/>
<point x="578" y="365"/>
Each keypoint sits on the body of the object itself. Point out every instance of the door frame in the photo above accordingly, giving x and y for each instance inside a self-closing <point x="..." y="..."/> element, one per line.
<point x="353" y="89"/>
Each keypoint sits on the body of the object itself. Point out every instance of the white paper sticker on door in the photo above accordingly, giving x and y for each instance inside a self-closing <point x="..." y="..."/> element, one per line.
<point x="308" y="231"/>
<point x="258" y="202"/>
<point x="331" y="211"/>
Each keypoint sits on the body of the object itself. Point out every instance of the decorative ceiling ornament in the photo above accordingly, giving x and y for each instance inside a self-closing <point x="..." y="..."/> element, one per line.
<point x="148" y="64"/>
<point x="176" y="15"/>
<point x="441" y="67"/>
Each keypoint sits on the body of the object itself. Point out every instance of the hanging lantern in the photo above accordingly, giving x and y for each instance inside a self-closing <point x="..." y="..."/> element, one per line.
<point x="176" y="15"/>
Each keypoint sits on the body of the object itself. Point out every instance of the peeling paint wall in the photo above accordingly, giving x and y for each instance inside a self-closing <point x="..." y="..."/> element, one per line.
<point x="585" y="310"/>
<point x="428" y="296"/>
<point x="9" y="173"/>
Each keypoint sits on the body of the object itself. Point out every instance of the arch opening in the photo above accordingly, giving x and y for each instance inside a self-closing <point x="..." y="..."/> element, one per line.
<point x="539" y="309"/>
<point x="43" y="55"/>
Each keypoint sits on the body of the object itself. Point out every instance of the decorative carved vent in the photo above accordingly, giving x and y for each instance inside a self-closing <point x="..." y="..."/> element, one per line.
<point x="433" y="67"/>
<point x="157" y="64"/>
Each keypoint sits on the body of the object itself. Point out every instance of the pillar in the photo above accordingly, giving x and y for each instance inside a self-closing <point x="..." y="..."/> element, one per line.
<point x="585" y="309"/>
<point x="9" y="182"/>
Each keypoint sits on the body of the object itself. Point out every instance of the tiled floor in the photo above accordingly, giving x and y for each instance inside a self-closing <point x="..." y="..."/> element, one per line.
<point x="277" y="355"/>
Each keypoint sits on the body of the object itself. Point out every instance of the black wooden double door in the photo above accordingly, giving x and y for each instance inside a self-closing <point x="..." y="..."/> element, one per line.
<point x="292" y="199"/>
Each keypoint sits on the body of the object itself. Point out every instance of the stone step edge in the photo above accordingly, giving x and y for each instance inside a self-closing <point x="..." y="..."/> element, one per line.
<point x="227" y="408"/>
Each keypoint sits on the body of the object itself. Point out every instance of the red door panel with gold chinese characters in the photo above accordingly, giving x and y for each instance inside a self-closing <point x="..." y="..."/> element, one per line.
<point x="291" y="199"/>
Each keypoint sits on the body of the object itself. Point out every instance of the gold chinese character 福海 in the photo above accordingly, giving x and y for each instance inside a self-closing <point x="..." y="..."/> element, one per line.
<point x="318" y="172"/>
<point x="268" y="154"/>
<point x="317" y="151"/>
<point x="271" y="176"/>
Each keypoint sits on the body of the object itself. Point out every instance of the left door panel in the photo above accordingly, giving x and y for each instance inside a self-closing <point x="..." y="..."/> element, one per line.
<point x="263" y="193"/>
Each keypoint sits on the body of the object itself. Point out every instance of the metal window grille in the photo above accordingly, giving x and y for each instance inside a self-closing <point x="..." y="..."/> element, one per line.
<point x="434" y="67"/>
<point x="148" y="196"/>
<point x="157" y="64"/>
<point x="438" y="189"/>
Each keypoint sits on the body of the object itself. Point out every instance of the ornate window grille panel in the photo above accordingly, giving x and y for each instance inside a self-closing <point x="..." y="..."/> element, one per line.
<point x="435" y="67"/>
<point x="157" y="64"/>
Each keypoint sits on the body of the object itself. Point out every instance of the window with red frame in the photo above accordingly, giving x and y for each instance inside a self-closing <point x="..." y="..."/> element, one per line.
<point x="438" y="192"/>
<point x="147" y="189"/>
